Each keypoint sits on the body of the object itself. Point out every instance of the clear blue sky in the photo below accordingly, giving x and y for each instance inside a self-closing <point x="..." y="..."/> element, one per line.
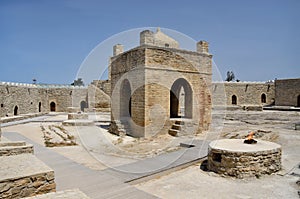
<point x="48" y="40"/>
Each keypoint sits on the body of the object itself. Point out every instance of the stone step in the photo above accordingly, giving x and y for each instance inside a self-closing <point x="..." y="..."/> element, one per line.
<point x="173" y="132"/>
<point x="176" y="127"/>
<point x="15" y="148"/>
<point x="15" y="143"/>
<point x="24" y="175"/>
<point x="179" y="122"/>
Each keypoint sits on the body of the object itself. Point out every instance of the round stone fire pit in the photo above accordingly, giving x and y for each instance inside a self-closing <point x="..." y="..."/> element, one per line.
<point x="232" y="157"/>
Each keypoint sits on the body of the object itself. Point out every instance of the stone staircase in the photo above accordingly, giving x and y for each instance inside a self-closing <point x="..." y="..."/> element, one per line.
<point x="176" y="128"/>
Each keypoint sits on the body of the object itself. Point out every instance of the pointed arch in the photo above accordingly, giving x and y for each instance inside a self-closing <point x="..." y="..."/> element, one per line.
<point x="52" y="107"/>
<point x="263" y="98"/>
<point x="16" y="110"/>
<point x="233" y="100"/>
<point x="125" y="99"/>
<point x="83" y="105"/>
<point x="181" y="93"/>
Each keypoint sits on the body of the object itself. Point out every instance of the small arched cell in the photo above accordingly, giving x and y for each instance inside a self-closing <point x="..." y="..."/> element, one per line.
<point x="298" y="101"/>
<point x="16" y="110"/>
<point x="40" y="106"/>
<point x="83" y="105"/>
<point x="234" y="100"/>
<point x="263" y="98"/>
<point x="52" y="107"/>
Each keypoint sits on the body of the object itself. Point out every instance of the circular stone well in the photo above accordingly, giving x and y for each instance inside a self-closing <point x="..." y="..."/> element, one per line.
<point x="232" y="157"/>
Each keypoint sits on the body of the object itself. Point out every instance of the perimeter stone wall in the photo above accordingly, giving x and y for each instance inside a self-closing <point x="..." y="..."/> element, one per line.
<point x="287" y="92"/>
<point x="247" y="93"/>
<point x="17" y="98"/>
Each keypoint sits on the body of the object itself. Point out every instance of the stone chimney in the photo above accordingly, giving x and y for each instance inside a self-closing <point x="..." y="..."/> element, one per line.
<point x="202" y="47"/>
<point x="118" y="49"/>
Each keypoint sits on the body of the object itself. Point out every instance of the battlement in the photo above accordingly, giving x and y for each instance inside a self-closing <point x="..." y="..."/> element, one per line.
<point x="42" y="85"/>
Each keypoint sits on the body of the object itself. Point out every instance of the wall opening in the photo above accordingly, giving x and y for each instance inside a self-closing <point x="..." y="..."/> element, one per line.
<point x="16" y="110"/>
<point x="125" y="99"/>
<point x="298" y="101"/>
<point x="234" y="100"/>
<point x="263" y="98"/>
<point x="181" y="99"/>
<point x="217" y="157"/>
<point x="83" y="105"/>
<point x="40" y="107"/>
<point x="52" y="107"/>
<point x="2" y="105"/>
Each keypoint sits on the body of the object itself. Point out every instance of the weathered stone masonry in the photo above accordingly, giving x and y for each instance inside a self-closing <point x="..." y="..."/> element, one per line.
<point x="146" y="82"/>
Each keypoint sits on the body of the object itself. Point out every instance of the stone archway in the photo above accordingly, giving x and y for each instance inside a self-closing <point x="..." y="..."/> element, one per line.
<point x="52" y="107"/>
<point x="234" y="100"/>
<point x="83" y="105"/>
<point x="181" y="99"/>
<point x="263" y="98"/>
<point x="16" y="110"/>
<point x="125" y="99"/>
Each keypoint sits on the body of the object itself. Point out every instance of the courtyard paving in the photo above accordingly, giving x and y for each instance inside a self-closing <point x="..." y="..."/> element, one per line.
<point x="97" y="168"/>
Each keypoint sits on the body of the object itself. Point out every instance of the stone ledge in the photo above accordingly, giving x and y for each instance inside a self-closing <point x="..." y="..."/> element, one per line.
<point x="78" y="123"/>
<point x="15" y="148"/>
<point x="24" y="175"/>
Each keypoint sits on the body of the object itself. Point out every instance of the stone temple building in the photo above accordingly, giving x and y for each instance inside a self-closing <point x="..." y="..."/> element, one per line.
<point x="146" y="83"/>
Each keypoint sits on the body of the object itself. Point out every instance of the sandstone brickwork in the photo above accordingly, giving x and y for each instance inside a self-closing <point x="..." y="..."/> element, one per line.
<point x="242" y="160"/>
<point x="287" y="92"/>
<point x="247" y="93"/>
<point x="146" y="83"/>
<point x="17" y="98"/>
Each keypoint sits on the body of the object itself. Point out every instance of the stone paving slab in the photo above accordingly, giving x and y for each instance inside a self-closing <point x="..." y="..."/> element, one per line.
<point x="18" y="166"/>
<point x="161" y="163"/>
<point x="68" y="194"/>
<point x="70" y="175"/>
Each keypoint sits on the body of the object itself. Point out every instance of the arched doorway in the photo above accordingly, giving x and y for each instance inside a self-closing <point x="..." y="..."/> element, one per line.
<point x="234" y="100"/>
<point x="83" y="105"/>
<point x="263" y="98"/>
<point x="298" y="101"/>
<point x="16" y="110"/>
<point x="40" y="107"/>
<point x="52" y="107"/>
<point x="181" y="99"/>
<point x="125" y="99"/>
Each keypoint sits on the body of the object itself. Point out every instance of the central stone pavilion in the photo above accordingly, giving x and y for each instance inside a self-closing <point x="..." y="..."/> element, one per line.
<point x="159" y="88"/>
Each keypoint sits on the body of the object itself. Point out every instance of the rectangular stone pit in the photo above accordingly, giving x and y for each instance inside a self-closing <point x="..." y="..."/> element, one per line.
<point x="24" y="175"/>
